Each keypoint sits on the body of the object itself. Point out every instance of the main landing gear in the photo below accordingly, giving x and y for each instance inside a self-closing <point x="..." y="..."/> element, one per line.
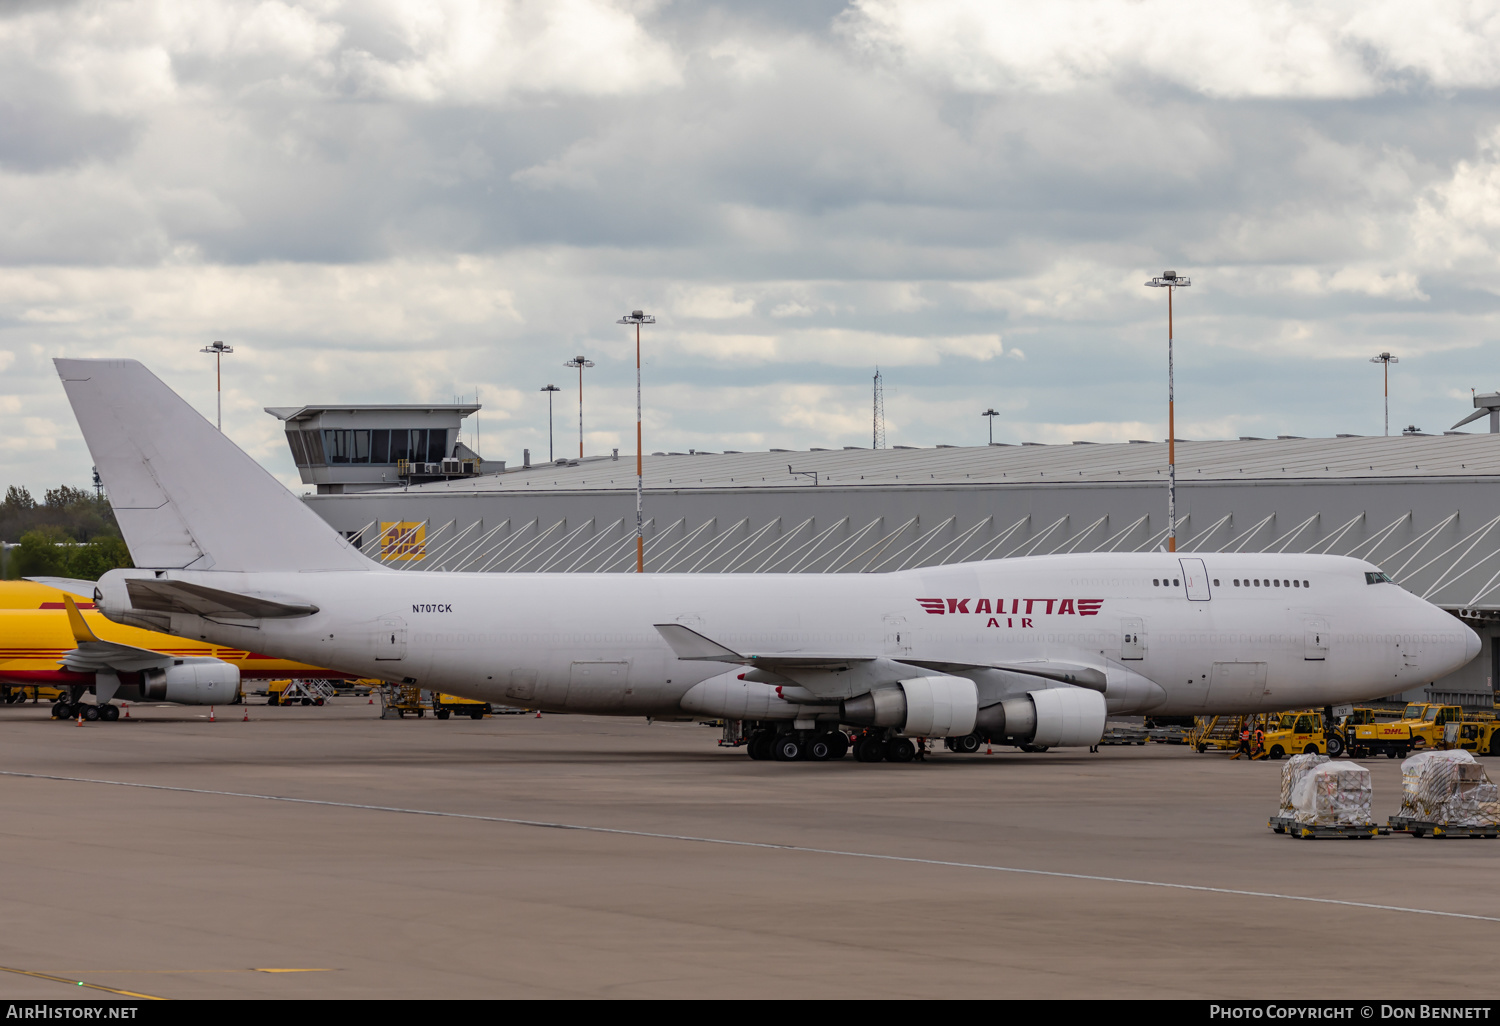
<point x="68" y="711"/>
<point x="814" y="746"/>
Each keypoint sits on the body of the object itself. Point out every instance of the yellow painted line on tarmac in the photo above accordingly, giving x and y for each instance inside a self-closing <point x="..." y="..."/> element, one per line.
<point x="81" y="983"/>
<point x="291" y="970"/>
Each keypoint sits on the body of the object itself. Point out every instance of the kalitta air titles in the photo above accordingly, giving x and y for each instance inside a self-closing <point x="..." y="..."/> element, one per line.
<point x="1020" y="612"/>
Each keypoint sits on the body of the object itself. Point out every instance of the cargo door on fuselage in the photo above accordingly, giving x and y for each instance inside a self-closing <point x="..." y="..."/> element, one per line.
<point x="1236" y="686"/>
<point x="600" y="685"/>
<point x="1195" y="580"/>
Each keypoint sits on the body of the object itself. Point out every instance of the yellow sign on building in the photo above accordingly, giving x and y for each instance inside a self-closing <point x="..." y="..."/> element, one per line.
<point x="403" y="539"/>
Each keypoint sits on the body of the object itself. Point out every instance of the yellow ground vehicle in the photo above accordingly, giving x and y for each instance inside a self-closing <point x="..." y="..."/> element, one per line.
<point x="1424" y="725"/>
<point x="1392" y="739"/>
<point x="447" y="705"/>
<point x="1226" y="733"/>
<point x="1297" y="733"/>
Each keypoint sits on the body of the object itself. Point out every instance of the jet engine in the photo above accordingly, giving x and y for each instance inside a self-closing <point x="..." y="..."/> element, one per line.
<point x="200" y="680"/>
<point x="1052" y="718"/>
<point x="938" y="706"/>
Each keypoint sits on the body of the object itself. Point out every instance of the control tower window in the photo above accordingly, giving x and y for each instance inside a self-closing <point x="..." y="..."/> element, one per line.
<point x="347" y="446"/>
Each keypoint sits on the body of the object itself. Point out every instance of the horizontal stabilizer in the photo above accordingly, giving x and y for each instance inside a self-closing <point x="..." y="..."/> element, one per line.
<point x="160" y="596"/>
<point x="83" y="589"/>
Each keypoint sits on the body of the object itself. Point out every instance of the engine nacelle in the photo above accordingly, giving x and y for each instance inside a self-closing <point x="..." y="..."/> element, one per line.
<point x="937" y="706"/>
<point x="199" y="680"/>
<point x="1053" y="718"/>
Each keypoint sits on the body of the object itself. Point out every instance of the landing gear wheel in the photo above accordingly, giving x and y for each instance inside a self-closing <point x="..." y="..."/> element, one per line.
<point x="838" y="742"/>
<point x="62" y="711"/>
<point x="442" y="714"/>
<point x="869" y="749"/>
<point x="819" y="749"/>
<point x="787" y="748"/>
<point x="1335" y="746"/>
<point x="759" y="747"/>
<point x="898" y="749"/>
<point x="90" y="712"/>
<point x="110" y="713"/>
<point x="966" y="745"/>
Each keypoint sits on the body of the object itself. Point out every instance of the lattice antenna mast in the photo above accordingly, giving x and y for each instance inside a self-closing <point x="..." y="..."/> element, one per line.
<point x="877" y="434"/>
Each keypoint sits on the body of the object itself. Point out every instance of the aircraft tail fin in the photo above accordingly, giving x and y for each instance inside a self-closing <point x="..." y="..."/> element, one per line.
<point x="185" y="496"/>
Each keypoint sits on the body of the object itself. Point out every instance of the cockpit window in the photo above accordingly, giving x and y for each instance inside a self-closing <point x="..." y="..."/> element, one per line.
<point x="1377" y="577"/>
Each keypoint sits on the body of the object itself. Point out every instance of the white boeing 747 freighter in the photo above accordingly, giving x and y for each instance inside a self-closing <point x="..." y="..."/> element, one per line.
<point x="1030" y="652"/>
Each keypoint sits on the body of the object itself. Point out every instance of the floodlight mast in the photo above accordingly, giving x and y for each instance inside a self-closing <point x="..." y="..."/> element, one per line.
<point x="549" y="390"/>
<point x="991" y="413"/>
<point x="218" y="349"/>
<point x="638" y="318"/>
<point x="1170" y="280"/>
<point x="580" y="363"/>
<point x="1387" y="359"/>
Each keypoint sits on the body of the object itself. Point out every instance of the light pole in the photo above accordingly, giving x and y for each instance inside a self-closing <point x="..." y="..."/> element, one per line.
<point x="1387" y="359"/>
<point x="638" y="318"/>
<point x="218" y="349"/>
<point x="549" y="390"/>
<point x="1170" y="280"/>
<point x="991" y="413"/>
<point x="580" y="363"/>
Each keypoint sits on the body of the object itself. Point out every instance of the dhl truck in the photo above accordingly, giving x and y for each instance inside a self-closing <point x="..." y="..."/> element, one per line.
<point x="1424" y="725"/>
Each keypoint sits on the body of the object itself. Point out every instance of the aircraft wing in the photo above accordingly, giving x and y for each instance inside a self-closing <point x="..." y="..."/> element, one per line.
<point x="161" y="596"/>
<point x="95" y="656"/>
<point x="690" y="645"/>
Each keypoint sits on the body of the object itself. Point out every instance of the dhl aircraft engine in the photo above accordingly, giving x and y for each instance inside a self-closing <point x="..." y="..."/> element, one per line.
<point x="201" y="680"/>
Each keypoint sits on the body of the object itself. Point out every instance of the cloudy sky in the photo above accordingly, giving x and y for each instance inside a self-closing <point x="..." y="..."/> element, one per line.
<point x="414" y="200"/>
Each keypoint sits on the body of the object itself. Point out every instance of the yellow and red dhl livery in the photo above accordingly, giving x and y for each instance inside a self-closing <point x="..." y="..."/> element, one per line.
<point x="43" y="641"/>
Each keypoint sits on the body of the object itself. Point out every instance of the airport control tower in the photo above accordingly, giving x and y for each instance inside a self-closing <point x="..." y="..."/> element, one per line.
<point x="345" y="449"/>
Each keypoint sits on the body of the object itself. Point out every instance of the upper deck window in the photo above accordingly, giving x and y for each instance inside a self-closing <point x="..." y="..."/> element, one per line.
<point x="1377" y="578"/>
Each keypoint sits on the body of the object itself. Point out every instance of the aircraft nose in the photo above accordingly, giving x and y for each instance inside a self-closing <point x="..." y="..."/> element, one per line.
<point x="1472" y="644"/>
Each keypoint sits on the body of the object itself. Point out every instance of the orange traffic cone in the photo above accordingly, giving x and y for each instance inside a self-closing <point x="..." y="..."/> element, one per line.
<point x="989" y="749"/>
<point x="538" y="714"/>
<point x="127" y="709"/>
<point x="371" y="702"/>
<point x="80" y="718"/>
<point x="210" y="714"/>
<point x="247" y="715"/>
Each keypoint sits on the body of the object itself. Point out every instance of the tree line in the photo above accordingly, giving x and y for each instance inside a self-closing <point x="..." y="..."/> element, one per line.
<point x="70" y="533"/>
